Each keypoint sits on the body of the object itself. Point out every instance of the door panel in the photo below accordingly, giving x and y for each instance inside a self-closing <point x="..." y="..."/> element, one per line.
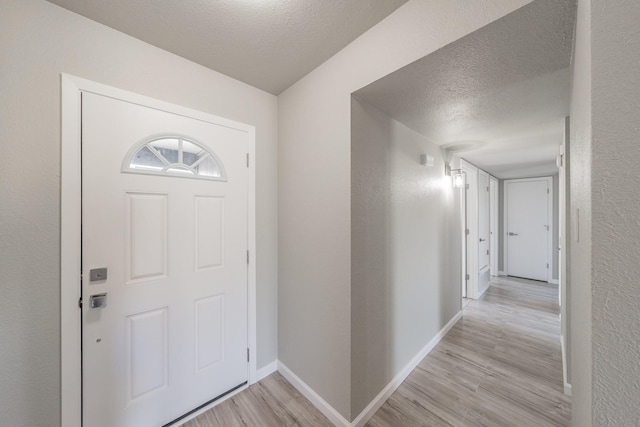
<point x="173" y="334"/>
<point x="527" y="228"/>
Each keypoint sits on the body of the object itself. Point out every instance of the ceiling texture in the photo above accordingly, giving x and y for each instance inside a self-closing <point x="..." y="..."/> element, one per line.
<point x="269" y="44"/>
<point x="497" y="97"/>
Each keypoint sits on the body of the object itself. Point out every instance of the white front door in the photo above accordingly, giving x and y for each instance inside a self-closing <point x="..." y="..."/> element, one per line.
<point x="164" y="218"/>
<point x="527" y="227"/>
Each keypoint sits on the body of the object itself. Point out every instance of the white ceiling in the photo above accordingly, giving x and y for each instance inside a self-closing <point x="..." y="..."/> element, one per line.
<point x="269" y="44"/>
<point x="497" y="97"/>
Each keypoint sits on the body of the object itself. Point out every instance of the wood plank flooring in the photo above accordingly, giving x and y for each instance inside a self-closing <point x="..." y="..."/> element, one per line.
<point x="272" y="402"/>
<point x="500" y="365"/>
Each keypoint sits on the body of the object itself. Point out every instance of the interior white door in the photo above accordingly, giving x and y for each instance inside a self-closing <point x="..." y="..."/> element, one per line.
<point x="483" y="220"/>
<point x="173" y="333"/>
<point x="527" y="228"/>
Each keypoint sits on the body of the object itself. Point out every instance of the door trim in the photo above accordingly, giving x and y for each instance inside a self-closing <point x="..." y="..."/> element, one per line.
<point x="70" y="234"/>
<point x="493" y="235"/>
<point x="471" y="215"/>
<point x="505" y="219"/>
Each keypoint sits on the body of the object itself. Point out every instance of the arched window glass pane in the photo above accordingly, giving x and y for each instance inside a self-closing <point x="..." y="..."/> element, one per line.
<point x="175" y="156"/>
<point x="208" y="167"/>
<point x="191" y="152"/>
<point x="145" y="159"/>
<point x="168" y="148"/>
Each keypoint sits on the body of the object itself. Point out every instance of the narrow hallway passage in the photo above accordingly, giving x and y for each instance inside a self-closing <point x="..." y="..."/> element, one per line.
<point x="500" y="365"/>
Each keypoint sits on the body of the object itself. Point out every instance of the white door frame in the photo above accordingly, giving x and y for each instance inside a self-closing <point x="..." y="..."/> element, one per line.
<point x="505" y="218"/>
<point x="493" y="226"/>
<point x="70" y="224"/>
<point x="470" y="212"/>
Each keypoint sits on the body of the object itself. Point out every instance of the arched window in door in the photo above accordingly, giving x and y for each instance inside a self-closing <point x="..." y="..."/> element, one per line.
<point x="174" y="155"/>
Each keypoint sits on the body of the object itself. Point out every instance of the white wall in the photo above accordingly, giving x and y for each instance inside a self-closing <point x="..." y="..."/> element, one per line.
<point x="38" y="41"/>
<point x="405" y="249"/>
<point x="580" y="229"/>
<point x="615" y="204"/>
<point x="314" y="183"/>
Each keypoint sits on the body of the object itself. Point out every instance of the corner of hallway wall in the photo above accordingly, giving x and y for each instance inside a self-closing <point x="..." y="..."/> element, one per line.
<point x="580" y="220"/>
<point x="314" y="167"/>
<point x="40" y="40"/>
<point x="406" y="249"/>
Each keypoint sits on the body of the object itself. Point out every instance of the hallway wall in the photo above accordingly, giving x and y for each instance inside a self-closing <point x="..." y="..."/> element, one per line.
<point x="615" y="203"/>
<point x="405" y="249"/>
<point x="314" y="168"/>
<point x="38" y="41"/>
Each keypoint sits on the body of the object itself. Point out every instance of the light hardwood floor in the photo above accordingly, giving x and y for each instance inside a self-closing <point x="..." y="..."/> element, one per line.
<point x="500" y="365"/>
<point x="272" y="402"/>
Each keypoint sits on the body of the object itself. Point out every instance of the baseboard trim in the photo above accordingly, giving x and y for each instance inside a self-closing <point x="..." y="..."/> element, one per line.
<point x="485" y="290"/>
<point x="567" y="386"/>
<point x="554" y="282"/>
<point x="265" y="371"/>
<point x="322" y="405"/>
<point x="334" y="416"/>
<point x="386" y="392"/>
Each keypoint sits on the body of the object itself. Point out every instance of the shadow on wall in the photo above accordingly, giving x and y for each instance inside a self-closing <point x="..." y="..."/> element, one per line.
<point x="406" y="251"/>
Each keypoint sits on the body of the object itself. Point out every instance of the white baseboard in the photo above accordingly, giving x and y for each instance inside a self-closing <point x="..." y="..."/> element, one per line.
<point x="265" y="371"/>
<point x="567" y="389"/>
<point x="485" y="289"/>
<point x="554" y="282"/>
<point x="567" y="386"/>
<point x="317" y="401"/>
<point x="386" y="392"/>
<point x="501" y="273"/>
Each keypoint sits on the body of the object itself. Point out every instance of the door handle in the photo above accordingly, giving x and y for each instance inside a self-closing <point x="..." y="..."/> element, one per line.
<point x="98" y="300"/>
<point x="513" y="234"/>
<point x="482" y="240"/>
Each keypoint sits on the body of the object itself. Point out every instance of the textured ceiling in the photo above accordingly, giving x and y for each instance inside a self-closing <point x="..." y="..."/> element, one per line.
<point x="496" y="97"/>
<point x="269" y="44"/>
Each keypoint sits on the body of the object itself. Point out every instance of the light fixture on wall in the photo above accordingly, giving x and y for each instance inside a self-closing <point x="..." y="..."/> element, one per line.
<point x="457" y="176"/>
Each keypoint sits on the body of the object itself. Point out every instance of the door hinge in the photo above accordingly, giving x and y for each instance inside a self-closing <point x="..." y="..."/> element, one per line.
<point x="247" y="159"/>
<point x="487" y="251"/>
<point x="467" y="231"/>
<point x="80" y="302"/>
<point x="547" y="191"/>
<point x="248" y="358"/>
<point x="487" y="189"/>
<point x="466" y="277"/>
<point x="467" y="186"/>
<point x="247" y="257"/>
<point x="547" y="265"/>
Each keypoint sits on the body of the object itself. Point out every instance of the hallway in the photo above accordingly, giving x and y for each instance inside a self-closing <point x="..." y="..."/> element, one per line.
<point x="499" y="366"/>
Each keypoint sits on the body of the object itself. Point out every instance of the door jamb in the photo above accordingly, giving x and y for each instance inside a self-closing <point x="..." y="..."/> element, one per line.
<point x="70" y="234"/>
<point x="471" y="208"/>
<point x="549" y="180"/>
<point x="493" y="235"/>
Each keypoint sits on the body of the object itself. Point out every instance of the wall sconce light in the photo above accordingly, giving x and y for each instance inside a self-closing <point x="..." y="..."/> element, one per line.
<point x="457" y="176"/>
